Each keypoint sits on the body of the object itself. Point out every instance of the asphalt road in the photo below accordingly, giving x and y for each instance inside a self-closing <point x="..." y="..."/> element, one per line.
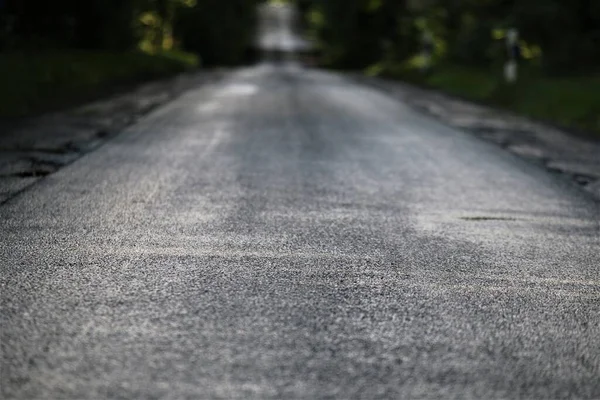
<point x="278" y="29"/>
<point x="286" y="233"/>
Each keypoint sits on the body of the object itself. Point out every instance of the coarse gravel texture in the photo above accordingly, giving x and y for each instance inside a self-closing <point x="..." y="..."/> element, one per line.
<point x="36" y="147"/>
<point x="287" y="233"/>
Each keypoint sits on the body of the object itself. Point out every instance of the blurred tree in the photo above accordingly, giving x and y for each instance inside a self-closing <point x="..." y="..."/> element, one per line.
<point x="568" y="33"/>
<point x="93" y="24"/>
<point x="155" y="23"/>
<point x="352" y="33"/>
<point x="356" y="33"/>
<point x="221" y="32"/>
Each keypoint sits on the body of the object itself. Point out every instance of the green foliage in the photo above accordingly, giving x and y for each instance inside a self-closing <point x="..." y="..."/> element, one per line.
<point x="468" y="40"/>
<point x="60" y="50"/>
<point x="468" y="82"/>
<point x="558" y="35"/>
<point x="568" y="32"/>
<point x="357" y="33"/>
<point x="573" y="101"/>
<point x="30" y="82"/>
<point x="221" y="32"/>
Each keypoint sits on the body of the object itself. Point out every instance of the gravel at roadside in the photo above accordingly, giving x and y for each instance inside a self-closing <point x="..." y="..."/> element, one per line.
<point x="559" y="152"/>
<point x="34" y="148"/>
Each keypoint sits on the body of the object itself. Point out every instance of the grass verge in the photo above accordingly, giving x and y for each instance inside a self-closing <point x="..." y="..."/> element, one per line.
<point x="571" y="102"/>
<point x="32" y="83"/>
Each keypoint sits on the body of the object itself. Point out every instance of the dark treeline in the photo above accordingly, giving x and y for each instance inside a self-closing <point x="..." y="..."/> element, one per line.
<point x="220" y="31"/>
<point x="558" y="35"/>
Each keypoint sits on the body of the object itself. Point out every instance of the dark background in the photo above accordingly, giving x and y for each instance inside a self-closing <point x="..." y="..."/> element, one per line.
<point x="58" y="49"/>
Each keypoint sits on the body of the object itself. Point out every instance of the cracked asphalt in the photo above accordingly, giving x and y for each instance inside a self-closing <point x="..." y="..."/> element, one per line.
<point x="289" y="233"/>
<point x="572" y="156"/>
<point x="33" y="148"/>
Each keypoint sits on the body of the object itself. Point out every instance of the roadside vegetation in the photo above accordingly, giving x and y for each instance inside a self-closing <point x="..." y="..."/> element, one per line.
<point x="59" y="52"/>
<point x="558" y="49"/>
<point x="35" y="82"/>
<point x="568" y="101"/>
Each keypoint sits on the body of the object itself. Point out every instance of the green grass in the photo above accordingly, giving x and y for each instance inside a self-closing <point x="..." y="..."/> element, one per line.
<point x="33" y="83"/>
<point x="567" y="101"/>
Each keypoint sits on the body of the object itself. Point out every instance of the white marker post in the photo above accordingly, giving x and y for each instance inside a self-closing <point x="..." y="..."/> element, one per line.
<point x="512" y="47"/>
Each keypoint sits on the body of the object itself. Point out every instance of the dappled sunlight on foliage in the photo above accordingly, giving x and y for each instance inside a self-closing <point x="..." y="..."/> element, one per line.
<point x="60" y="49"/>
<point x="460" y="46"/>
<point x="28" y="80"/>
<point x="559" y="36"/>
<point x="223" y="30"/>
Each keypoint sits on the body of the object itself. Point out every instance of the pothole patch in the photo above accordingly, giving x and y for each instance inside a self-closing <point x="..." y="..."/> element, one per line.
<point x="480" y="218"/>
<point x="34" y="173"/>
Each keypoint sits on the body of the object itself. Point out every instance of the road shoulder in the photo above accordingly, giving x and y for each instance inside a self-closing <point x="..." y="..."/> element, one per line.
<point x="34" y="148"/>
<point x="560" y="152"/>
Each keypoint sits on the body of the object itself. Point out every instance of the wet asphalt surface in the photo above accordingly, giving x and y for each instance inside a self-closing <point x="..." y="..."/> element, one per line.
<point x="287" y="233"/>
